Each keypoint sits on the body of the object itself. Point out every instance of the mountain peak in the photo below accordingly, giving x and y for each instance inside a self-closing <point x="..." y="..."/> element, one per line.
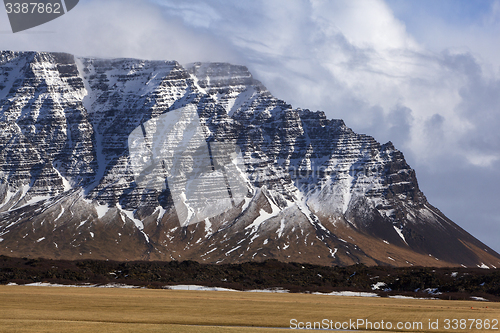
<point x="135" y="159"/>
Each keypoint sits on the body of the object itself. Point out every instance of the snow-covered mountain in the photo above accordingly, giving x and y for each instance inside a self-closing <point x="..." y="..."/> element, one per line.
<point x="86" y="172"/>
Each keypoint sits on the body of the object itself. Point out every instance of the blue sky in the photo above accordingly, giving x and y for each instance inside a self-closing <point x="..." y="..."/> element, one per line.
<point x="453" y="12"/>
<point x="423" y="74"/>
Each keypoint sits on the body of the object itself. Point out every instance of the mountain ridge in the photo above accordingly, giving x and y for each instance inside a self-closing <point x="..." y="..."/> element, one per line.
<point x="315" y="190"/>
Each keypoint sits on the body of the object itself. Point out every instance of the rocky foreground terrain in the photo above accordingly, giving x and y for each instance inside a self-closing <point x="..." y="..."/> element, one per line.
<point x="129" y="159"/>
<point x="421" y="282"/>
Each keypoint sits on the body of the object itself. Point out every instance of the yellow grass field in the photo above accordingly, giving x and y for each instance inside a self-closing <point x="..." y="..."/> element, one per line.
<point x="61" y="309"/>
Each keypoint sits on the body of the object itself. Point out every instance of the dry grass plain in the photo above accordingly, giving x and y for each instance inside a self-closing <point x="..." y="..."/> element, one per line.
<point x="60" y="309"/>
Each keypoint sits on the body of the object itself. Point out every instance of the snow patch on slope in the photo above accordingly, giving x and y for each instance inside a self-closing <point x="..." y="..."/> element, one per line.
<point x="264" y="216"/>
<point x="66" y="184"/>
<point x="101" y="210"/>
<point x="400" y="233"/>
<point x="60" y="214"/>
<point x="281" y="228"/>
<point x="138" y="223"/>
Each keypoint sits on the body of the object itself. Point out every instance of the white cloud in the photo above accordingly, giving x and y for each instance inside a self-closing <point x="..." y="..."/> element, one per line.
<point x="120" y="28"/>
<point x="364" y="23"/>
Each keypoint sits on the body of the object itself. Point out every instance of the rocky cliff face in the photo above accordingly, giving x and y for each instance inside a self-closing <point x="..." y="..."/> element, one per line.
<point x="305" y="188"/>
